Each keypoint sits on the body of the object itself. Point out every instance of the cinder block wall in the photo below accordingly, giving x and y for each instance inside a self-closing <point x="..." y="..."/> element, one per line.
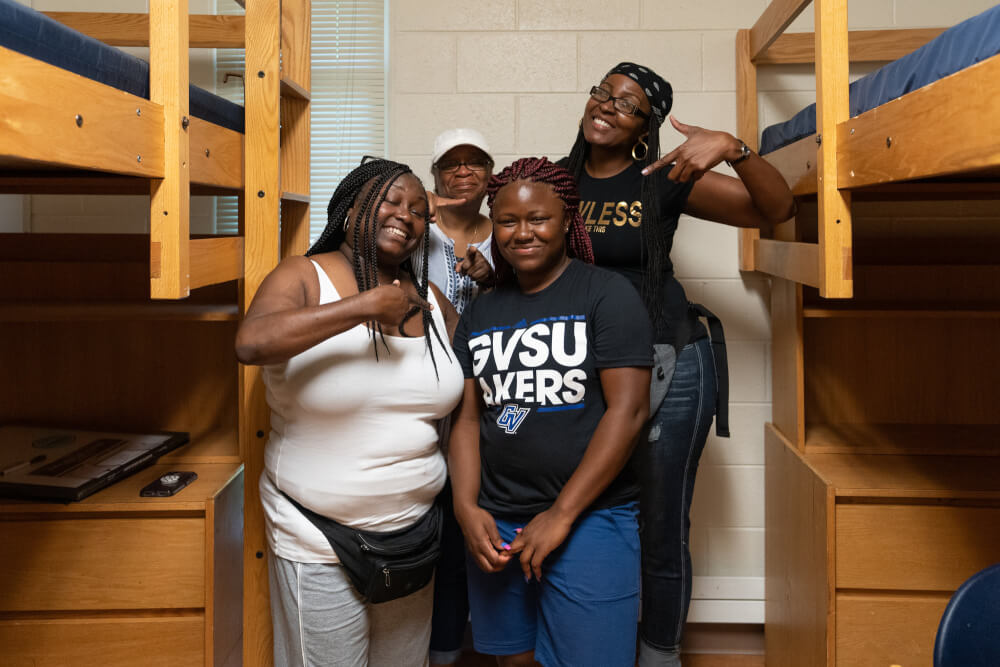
<point x="518" y="70"/>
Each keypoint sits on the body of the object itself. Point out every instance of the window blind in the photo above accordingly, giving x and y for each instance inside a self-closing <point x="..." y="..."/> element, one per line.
<point x="348" y="96"/>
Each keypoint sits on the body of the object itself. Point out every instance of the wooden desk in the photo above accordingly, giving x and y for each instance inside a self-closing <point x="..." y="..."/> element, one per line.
<point x="117" y="579"/>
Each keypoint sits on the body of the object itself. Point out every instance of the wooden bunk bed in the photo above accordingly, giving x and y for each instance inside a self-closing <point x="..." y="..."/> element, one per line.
<point x="883" y="455"/>
<point x="135" y="333"/>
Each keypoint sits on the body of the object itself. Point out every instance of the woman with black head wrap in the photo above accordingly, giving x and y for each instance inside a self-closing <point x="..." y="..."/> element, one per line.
<point x="631" y="199"/>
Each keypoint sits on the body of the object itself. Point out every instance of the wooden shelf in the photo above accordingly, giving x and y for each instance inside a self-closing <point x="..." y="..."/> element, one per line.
<point x="123" y="496"/>
<point x="898" y="439"/>
<point x="98" y="311"/>
<point x="898" y="311"/>
<point x="292" y="89"/>
<point x="295" y="196"/>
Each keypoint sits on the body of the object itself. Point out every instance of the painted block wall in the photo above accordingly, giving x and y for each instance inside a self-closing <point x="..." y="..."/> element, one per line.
<point x="518" y="70"/>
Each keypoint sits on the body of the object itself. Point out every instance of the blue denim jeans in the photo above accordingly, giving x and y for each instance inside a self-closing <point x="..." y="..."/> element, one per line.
<point x="667" y="463"/>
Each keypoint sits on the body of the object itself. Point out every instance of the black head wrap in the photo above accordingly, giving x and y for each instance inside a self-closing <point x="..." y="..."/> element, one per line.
<point x="657" y="89"/>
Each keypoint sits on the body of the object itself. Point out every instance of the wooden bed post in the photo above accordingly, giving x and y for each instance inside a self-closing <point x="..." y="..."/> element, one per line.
<point x="746" y="125"/>
<point x="170" y="196"/>
<point x="832" y="108"/>
<point x="262" y="210"/>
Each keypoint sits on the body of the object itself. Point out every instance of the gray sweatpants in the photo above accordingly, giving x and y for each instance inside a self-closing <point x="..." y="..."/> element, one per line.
<point x="321" y="621"/>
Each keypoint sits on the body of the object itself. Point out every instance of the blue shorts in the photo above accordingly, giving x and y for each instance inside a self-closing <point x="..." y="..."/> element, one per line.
<point x="586" y="607"/>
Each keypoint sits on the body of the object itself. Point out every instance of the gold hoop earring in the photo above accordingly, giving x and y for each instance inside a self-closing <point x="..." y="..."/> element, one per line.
<point x="645" y="149"/>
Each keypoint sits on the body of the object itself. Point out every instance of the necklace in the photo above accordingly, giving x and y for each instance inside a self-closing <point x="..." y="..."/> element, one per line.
<point x="475" y="231"/>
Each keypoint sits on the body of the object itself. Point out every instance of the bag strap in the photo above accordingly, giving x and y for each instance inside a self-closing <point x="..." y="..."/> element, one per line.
<point x="718" y="339"/>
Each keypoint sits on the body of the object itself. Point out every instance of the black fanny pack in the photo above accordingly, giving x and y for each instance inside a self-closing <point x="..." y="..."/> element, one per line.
<point x="384" y="566"/>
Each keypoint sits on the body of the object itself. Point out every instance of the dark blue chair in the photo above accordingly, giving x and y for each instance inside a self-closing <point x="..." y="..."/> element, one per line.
<point x="969" y="632"/>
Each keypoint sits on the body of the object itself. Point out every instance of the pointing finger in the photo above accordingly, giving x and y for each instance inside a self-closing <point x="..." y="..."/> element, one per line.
<point x="679" y="126"/>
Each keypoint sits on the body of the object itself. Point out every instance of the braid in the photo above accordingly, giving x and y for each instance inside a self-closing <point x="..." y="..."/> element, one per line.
<point x="655" y="244"/>
<point x="365" y="189"/>
<point x="540" y="170"/>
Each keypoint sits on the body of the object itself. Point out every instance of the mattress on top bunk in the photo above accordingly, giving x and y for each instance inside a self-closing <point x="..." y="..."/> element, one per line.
<point x="27" y="31"/>
<point x="961" y="46"/>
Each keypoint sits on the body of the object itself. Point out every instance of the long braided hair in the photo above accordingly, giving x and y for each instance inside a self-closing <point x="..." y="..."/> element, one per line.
<point x="655" y="244"/>
<point x="540" y="170"/>
<point x="365" y="189"/>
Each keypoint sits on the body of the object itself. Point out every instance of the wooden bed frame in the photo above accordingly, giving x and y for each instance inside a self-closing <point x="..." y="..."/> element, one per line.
<point x="887" y="145"/>
<point x="105" y="330"/>
<point x="882" y="464"/>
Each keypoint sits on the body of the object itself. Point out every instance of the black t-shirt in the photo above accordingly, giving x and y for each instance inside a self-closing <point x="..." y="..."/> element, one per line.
<point x="612" y="212"/>
<point x="536" y="358"/>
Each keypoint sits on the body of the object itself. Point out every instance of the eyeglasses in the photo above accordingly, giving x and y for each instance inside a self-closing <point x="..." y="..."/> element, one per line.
<point x="478" y="165"/>
<point x="620" y="104"/>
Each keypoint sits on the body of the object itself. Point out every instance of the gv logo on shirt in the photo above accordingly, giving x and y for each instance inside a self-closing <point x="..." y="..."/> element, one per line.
<point x="511" y="417"/>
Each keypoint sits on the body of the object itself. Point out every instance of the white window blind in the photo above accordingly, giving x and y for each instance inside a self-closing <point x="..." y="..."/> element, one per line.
<point x="348" y="96"/>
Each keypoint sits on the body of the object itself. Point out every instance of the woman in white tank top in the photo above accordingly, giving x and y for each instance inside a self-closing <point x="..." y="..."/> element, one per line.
<point x="359" y="369"/>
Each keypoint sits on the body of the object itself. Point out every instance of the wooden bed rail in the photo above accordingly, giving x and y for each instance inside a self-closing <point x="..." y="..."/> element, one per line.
<point x="828" y="264"/>
<point x="120" y="29"/>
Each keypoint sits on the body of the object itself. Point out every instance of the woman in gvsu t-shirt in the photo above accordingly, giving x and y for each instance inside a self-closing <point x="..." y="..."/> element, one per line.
<point x="557" y="364"/>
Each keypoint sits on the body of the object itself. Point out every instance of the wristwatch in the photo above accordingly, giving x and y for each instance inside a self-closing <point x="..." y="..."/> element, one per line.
<point x="744" y="154"/>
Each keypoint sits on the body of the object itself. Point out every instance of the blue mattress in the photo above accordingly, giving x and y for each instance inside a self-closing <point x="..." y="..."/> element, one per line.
<point x="27" y="31"/>
<point x="961" y="46"/>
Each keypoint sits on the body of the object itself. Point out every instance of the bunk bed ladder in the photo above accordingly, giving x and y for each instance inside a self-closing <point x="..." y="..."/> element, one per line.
<point x="277" y="80"/>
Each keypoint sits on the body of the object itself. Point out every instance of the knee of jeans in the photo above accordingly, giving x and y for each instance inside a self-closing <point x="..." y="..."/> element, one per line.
<point x="654" y="433"/>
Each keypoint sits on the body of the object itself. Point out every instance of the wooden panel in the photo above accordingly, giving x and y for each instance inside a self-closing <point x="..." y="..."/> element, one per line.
<point x="778" y="16"/>
<point x="888" y="371"/>
<point x="224" y="559"/>
<point x="799" y="606"/>
<point x="170" y="197"/>
<point x="294" y="228"/>
<point x="216" y="155"/>
<point x="216" y="260"/>
<point x="77" y="564"/>
<point x="207" y="31"/>
<point x="953" y="479"/>
<point x="160" y="641"/>
<point x="261" y="255"/>
<point x="37" y="124"/>
<point x="883" y="630"/>
<point x="891" y="142"/>
<point x="914" y="547"/>
<point x="925" y="439"/>
<point x="747" y="120"/>
<point x="296" y="40"/>
<point x="127" y="375"/>
<point x="835" y="260"/>
<point x="295" y="145"/>
<point x="798" y="262"/>
<point x="788" y="404"/>
<point x="863" y="45"/>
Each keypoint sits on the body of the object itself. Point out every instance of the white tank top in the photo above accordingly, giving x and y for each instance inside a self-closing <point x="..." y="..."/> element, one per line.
<point x="352" y="438"/>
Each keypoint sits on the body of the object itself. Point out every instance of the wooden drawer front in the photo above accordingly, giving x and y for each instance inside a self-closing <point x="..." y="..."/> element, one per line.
<point x="102" y="564"/>
<point x="104" y="642"/>
<point x="877" y="631"/>
<point x="914" y="547"/>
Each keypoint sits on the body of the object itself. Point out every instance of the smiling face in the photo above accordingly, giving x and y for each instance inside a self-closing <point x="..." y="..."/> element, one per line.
<point x="400" y="220"/>
<point x="529" y="230"/>
<point x="604" y="126"/>
<point x="463" y="182"/>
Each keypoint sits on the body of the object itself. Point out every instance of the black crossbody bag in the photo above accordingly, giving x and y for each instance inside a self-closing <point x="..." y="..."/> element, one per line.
<point x="384" y="566"/>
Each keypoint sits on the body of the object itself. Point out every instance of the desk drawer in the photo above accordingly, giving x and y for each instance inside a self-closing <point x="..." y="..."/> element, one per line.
<point x="880" y="630"/>
<point x="914" y="547"/>
<point x="104" y="642"/>
<point x="105" y="563"/>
